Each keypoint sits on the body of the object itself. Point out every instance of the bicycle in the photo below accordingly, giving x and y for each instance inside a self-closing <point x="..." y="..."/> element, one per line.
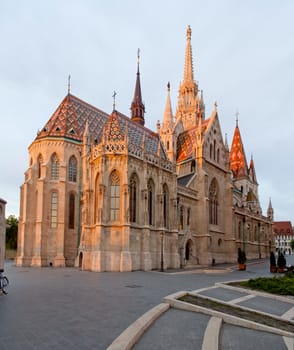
<point x="3" y="282"/>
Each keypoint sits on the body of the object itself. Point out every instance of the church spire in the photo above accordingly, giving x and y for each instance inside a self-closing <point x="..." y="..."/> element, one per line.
<point x="168" y="121"/>
<point x="188" y="70"/>
<point x="189" y="99"/>
<point x="237" y="155"/>
<point x="270" y="210"/>
<point x="137" y="107"/>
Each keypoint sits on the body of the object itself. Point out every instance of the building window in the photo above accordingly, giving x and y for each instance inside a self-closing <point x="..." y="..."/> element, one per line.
<point x="71" y="217"/>
<point x="54" y="209"/>
<point x="72" y="169"/>
<point x="188" y="216"/>
<point x="165" y="206"/>
<point x="114" y="197"/>
<point x="54" y="167"/>
<point x="150" y="188"/>
<point x="213" y="203"/>
<point x="239" y="230"/>
<point x="181" y="217"/>
<point x="133" y="198"/>
<point x="40" y="161"/>
<point x="167" y="145"/>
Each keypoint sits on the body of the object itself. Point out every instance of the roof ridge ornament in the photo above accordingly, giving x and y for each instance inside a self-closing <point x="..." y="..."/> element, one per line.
<point x="68" y="85"/>
<point x="113" y="96"/>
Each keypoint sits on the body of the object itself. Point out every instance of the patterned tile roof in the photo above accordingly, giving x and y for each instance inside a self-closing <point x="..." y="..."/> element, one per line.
<point x="186" y="140"/>
<point x="237" y="155"/>
<point x="69" y="121"/>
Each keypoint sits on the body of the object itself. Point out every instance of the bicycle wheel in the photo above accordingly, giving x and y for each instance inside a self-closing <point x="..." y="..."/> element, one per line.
<point x="5" y="282"/>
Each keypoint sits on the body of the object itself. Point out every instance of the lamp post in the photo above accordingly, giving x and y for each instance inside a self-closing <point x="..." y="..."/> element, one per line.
<point x="161" y="255"/>
<point x="259" y="252"/>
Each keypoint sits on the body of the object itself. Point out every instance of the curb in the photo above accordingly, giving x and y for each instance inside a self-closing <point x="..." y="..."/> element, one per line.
<point x="181" y="305"/>
<point x="128" y="338"/>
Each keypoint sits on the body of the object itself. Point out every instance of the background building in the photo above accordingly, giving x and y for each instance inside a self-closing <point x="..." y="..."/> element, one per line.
<point x="105" y="193"/>
<point x="284" y="234"/>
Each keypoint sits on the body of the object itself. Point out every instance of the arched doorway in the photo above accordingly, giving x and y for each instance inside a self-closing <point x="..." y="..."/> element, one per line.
<point x="188" y="250"/>
<point x="80" y="260"/>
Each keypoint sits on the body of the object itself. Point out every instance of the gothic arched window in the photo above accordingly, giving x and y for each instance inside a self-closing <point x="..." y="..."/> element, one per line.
<point x="213" y="203"/>
<point x="71" y="216"/>
<point x="114" y="197"/>
<point x="165" y="205"/>
<point x="150" y="189"/>
<point x="54" y="167"/>
<point x="72" y="169"/>
<point x="133" y="197"/>
<point x="181" y="218"/>
<point x="54" y="209"/>
<point x="40" y="161"/>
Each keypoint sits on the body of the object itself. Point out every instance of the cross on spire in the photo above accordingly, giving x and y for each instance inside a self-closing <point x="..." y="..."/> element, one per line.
<point x="113" y="96"/>
<point x="138" y="56"/>
<point x="68" y="84"/>
<point x="237" y="116"/>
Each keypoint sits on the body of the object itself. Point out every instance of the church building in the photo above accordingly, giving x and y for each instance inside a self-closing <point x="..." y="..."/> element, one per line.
<point x="104" y="193"/>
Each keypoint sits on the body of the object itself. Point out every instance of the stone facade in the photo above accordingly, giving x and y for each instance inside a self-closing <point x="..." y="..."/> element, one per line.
<point x="2" y="232"/>
<point x="104" y="193"/>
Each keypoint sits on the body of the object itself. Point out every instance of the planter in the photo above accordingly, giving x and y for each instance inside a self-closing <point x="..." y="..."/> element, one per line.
<point x="273" y="269"/>
<point x="280" y="269"/>
<point x="242" y="267"/>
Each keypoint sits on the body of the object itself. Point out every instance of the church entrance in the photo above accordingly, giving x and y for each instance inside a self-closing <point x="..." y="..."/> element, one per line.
<point x="80" y="260"/>
<point x="188" y="250"/>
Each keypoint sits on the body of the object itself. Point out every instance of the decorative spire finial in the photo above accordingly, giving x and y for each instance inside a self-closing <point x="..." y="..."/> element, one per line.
<point x="168" y="86"/>
<point x="215" y="106"/>
<point x="189" y="32"/>
<point x="138" y="56"/>
<point x="68" y="85"/>
<point x="237" y="117"/>
<point x="113" y="96"/>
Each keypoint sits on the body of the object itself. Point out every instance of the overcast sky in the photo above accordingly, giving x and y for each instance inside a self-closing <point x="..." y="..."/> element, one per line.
<point x="243" y="55"/>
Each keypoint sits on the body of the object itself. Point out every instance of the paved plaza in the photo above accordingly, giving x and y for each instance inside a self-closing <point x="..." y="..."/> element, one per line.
<point x="65" y="308"/>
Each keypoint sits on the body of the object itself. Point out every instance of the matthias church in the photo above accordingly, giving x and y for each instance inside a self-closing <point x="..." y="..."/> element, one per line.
<point x="104" y="193"/>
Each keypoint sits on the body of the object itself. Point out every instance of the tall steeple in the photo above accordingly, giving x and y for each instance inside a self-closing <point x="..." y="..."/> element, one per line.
<point x="270" y="210"/>
<point x="189" y="102"/>
<point x="168" y="121"/>
<point x="188" y="70"/>
<point x="237" y="155"/>
<point x="137" y="107"/>
<point x="167" y="130"/>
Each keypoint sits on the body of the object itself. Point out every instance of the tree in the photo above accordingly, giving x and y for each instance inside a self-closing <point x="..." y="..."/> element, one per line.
<point x="11" y="232"/>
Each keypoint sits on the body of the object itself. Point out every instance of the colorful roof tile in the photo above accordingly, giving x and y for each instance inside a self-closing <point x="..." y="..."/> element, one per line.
<point x="69" y="121"/>
<point x="237" y="155"/>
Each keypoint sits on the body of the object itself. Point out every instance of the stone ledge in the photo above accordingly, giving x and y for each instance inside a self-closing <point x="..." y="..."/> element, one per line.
<point x="128" y="338"/>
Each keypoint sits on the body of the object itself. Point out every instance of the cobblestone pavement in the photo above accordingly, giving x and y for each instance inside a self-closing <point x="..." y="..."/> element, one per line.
<point x="66" y="308"/>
